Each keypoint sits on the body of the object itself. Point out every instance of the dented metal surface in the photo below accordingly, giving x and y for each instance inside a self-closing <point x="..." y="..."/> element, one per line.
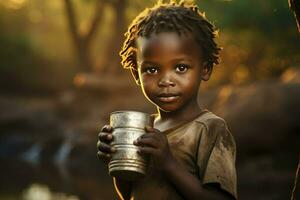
<point x="127" y="163"/>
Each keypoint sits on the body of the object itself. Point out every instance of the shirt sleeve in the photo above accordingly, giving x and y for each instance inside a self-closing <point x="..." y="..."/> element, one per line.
<point x="220" y="167"/>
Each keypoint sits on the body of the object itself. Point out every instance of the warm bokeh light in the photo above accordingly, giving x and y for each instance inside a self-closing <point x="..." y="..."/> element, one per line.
<point x="14" y="4"/>
<point x="35" y="16"/>
<point x="61" y="77"/>
<point x="79" y="80"/>
<point x="42" y="192"/>
<point x="291" y="75"/>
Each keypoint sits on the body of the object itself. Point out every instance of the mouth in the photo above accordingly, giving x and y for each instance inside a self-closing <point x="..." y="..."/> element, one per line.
<point x="168" y="97"/>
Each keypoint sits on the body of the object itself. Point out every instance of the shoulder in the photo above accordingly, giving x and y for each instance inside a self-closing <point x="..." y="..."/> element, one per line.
<point x="217" y="153"/>
<point x="212" y="122"/>
<point x="209" y="118"/>
<point x="215" y="131"/>
<point x="205" y="126"/>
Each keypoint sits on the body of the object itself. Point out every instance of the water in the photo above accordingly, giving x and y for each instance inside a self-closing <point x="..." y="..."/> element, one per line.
<point x="23" y="181"/>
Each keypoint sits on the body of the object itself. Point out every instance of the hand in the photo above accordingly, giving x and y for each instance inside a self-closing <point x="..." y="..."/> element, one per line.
<point x="155" y="143"/>
<point x="105" y="150"/>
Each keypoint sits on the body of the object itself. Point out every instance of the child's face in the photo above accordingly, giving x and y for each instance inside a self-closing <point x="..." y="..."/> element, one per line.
<point x="170" y="69"/>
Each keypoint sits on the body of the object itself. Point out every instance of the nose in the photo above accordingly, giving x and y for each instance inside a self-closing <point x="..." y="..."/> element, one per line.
<point x="166" y="81"/>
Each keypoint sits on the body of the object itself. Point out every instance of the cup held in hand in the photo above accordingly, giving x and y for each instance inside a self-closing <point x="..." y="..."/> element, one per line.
<point x="126" y="162"/>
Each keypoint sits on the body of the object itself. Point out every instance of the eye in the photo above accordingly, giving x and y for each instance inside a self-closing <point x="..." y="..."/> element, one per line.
<point x="181" y="68"/>
<point x="151" y="70"/>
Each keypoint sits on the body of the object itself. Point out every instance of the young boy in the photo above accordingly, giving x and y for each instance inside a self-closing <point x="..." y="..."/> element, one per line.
<point x="170" y="49"/>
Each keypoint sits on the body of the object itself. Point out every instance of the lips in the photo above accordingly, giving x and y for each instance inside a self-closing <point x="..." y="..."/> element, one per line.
<point x="168" y="97"/>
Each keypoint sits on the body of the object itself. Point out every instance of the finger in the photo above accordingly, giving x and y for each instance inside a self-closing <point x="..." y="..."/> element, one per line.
<point x="157" y="135"/>
<point x="105" y="148"/>
<point x="105" y="137"/>
<point x="150" y="141"/>
<point x="147" y="135"/>
<point x="103" y="156"/>
<point x="106" y="128"/>
<point x="148" y="150"/>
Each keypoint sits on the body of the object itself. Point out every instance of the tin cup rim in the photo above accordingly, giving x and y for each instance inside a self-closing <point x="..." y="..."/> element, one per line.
<point x="129" y="111"/>
<point x="145" y="117"/>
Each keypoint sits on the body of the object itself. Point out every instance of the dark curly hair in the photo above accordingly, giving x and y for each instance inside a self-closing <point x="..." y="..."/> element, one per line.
<point x="171" y="17"/>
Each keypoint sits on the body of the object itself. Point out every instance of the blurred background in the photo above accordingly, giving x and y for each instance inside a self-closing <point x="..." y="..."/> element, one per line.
<point x="60" y="77"/>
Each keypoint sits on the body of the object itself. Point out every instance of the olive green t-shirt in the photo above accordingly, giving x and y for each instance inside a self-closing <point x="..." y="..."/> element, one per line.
<point x="205" y="147"/>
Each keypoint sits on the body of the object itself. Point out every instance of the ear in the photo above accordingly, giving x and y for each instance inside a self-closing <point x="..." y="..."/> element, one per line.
<point x="206" y="71"/>
<point x="135" y="75"/>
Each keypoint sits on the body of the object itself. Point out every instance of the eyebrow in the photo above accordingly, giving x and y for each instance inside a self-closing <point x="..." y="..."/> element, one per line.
<point x="181" y="59"/>
<point x="147" y="62"/>
<point x="185" y="58"/>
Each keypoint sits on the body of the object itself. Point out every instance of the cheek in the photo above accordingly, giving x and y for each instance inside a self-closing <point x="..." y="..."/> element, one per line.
<point x="190" y="82"/>
<point x="148" y="83"/>
<point x="148" y="80"/>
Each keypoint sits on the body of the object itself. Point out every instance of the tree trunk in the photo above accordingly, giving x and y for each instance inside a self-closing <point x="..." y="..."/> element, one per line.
<point x="295" y="6"/>
<point x="112" y="60"/>
<point x="82" y="42"/>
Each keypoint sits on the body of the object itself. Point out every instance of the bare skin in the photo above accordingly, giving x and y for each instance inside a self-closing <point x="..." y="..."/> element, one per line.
<point x="170" y="72"/>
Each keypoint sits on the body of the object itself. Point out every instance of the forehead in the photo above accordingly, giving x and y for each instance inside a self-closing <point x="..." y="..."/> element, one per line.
<point x="167" y="45"/>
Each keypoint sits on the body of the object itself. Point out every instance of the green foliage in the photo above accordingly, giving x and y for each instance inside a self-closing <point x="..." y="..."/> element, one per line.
<point x="19" y="65"/>
<point x="259" y="37"/>
<point x="14" y="47"/>
<point x="23" y="67"/>
<point x="267" y="16"/>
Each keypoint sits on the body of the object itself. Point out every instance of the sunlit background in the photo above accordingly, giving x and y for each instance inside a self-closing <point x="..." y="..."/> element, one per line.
<point x="60" y="77"/>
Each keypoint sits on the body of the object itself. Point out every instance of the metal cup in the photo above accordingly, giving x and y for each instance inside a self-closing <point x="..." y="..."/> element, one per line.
<point x="126" y="162"/>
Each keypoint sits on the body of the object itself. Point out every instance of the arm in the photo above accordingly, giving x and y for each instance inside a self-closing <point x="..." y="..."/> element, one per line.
<point x="189" y="186"/>
<point x="105" y="137"/>
<point x="123" y="188"/>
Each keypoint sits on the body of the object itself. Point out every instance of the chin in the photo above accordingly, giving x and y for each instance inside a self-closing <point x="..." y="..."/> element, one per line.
<point x="167" y="108"/>
<point x="164" y="110"/>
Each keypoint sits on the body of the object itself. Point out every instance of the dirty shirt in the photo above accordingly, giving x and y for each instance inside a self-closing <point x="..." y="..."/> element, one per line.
<point x="206" y="148"/>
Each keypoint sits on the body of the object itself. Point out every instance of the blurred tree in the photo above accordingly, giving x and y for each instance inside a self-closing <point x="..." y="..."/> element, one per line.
<point x="82" y="41"/>
<point x="295" y="6"/>
<point x="112" y="58"/>
<point x="258" y="37"/>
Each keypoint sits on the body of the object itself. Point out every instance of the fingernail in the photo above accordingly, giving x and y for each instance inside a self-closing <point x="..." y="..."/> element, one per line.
<point x="109" y="137"/>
